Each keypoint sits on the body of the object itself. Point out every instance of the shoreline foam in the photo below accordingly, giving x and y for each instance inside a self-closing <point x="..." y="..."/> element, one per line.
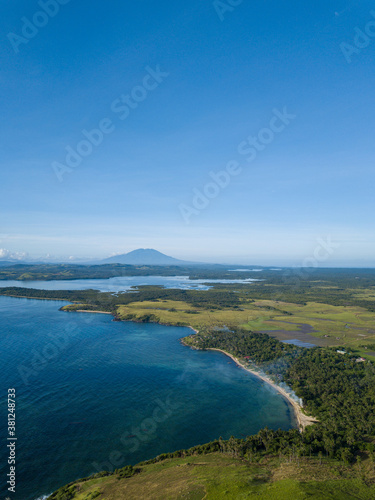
<point x="302" y="419"/>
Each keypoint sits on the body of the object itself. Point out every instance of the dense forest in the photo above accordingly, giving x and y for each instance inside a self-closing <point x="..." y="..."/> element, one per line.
<point x="210" y="299"/>
<point x="259" y="347"/>
<point x="335" y="388"/>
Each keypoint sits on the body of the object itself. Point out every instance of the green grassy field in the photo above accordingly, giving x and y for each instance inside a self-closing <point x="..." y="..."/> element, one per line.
<point x="217" y="476"/>
<point x="349" y="326"/>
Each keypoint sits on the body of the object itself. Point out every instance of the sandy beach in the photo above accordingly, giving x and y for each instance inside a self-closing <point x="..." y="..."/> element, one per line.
<point x="194" y="330"/>
<point x="303" y="420"/>
<point x="92" y="312"/>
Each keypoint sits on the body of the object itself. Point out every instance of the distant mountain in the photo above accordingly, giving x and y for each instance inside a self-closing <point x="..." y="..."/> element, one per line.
<point x="145" y="256"/>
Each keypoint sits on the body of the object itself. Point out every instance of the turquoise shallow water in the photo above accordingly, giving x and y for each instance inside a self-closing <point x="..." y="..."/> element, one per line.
<point x="96" y="394"/>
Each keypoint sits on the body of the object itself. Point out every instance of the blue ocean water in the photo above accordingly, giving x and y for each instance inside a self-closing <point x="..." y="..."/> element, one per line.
<point x="96" y="394"/>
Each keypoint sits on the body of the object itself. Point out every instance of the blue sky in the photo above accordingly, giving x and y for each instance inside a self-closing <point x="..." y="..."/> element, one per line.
<point x="221" y="72"/>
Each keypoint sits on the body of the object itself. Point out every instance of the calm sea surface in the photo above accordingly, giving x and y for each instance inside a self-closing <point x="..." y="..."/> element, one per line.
<point x="95" y="394"/>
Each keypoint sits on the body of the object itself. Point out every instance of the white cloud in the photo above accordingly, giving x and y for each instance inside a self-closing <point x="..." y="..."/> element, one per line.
<point x="7" y="255"/>
<point x="4" y="254"/>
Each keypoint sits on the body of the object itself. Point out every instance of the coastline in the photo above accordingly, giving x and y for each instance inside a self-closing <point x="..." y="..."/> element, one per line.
<point x="303" y="420"/>
<point x="194" y="330"/>
<point x="93" y="312"/>
<point x="33" y="298"/>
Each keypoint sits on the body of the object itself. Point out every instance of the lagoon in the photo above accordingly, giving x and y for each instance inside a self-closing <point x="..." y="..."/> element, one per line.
<point x="122" y="283"/>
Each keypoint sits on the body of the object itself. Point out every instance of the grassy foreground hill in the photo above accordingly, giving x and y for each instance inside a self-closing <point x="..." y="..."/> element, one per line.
<point x="222" y="476"/>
